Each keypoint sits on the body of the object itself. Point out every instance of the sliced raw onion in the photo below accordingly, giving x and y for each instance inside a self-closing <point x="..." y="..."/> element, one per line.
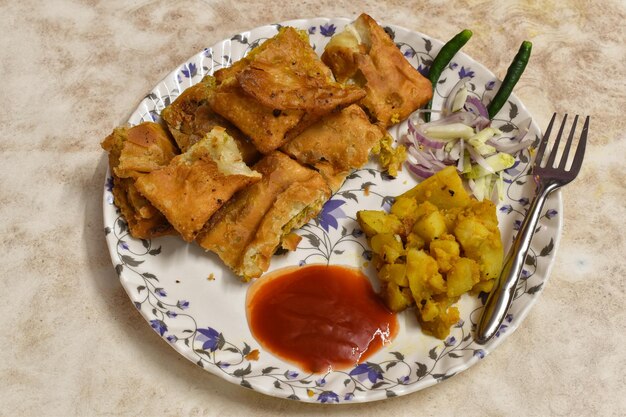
<point x="474" y="105"/>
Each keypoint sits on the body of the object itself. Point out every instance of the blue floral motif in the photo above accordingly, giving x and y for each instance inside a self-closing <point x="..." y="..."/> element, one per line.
<point x="291" y="374"/>
<point x="320" y="382"/>
<point x="210" y="338"/>
<point x="479" y="353"/>
<point x="171" y="338"/>
<point x="328" y="29"/>
<point x="450" y="341"/>
<point x="453" y="65"/>
<point x="348" y="396"/>
<point x="182" y="304"/>
<point x="367" y="370"/>
<point x="190" y="70"/>
<point x="159" y="326"/>
<point x="409" y="53"/>
<point x="551" y="213"/>
<point x="489" y="86"/>
<point x="403" y="380"/>
<point x="328" y="397"/>
<point x="463" y="73"/>
<point x="312" y="30"/>
<point x="424" y="70"/>
<point x="330" y="213"/>
<point x="109" y="184"/>
<point x="160" y="292"/>
<point x="171" y="314"/>
<point x="123" y="245"/>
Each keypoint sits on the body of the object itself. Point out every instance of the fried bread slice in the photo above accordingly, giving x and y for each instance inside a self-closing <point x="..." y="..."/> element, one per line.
<point x="279" y="89"/>
<point x="249" y="215"/>
<point x="365" y="55"/>
<point x="336" y="144"/>
<point x="298" y="204"/>
<point x="133" y="152"/>
<point x="190" y="117"/>
<point x="194" y="185"/>
<point x="139" y="149"/>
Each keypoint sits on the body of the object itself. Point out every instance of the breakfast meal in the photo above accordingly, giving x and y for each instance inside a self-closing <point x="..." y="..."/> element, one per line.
<point x="251" y="153"/>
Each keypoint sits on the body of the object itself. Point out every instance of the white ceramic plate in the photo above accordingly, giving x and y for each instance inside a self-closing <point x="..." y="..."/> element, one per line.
<point x="197" y="306"/>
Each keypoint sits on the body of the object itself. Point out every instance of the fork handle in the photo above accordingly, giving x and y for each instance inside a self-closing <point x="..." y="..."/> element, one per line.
<point x="502" y="294"/>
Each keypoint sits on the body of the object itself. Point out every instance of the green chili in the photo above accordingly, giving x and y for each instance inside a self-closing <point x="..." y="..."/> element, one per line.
<point x="443" y="59"/>
<point x="511" y="78"/>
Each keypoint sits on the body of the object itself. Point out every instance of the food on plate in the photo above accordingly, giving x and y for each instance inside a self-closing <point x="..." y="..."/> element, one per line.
<point x="277" y="90"/>
<point x="190" y="117"/>
<point x="513" y="74"/>
<point x="336" y="144"/>
<point x="443" y="58"/>
<point x="133" y="152"/>
<point x="195" y="184"/>
<point x="364" y="55"/>
<point x="320" y="317"/>
<point x="436" y="244"/>
<point x="246" y="232"/>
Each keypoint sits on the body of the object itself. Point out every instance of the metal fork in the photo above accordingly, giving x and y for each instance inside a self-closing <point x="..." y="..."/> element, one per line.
<point x="548" y="178"/>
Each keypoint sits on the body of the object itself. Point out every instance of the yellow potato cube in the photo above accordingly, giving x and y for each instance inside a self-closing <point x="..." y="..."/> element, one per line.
<point x="375" y="221"/>
<point x="462" y="277"/>
<point x="387" y="246"/>
<point x="445" y="190"/>
<point x="446" y="251"/>
<point x="430" y="226"/>
<point x="395" y="273"/>
<point x="420" y="267"/>
<point x="396" y="299"/>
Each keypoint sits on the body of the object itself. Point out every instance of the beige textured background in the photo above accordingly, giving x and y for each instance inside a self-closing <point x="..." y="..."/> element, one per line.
<point x="72" y="343"/>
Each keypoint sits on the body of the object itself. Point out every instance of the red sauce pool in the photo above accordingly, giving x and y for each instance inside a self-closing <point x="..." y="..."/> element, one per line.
<point x="319" y="317"/>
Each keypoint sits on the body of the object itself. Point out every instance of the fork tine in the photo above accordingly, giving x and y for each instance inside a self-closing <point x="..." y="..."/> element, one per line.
<point x="580" y="150"/>
<point x="555" y="147"/>
<point x="568" y="145"/>
<point x="544" y="142"/>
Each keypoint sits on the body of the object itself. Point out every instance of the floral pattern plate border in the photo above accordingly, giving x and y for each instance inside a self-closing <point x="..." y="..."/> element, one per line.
<point x="197" y="306"/>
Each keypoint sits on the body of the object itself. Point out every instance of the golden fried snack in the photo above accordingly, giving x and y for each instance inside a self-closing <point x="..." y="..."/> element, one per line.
<point x="279" y="89"/>
<point x="287" y="74"/>
<point x="260" y="215"/>
<point x="197" y="183"/>
<point x="143" y="219"/>
<point x="190" y="117"/>
<point x="137" y="150"/>
<point x="365" y="55"/>
<point x="134" y="152"/>
<point x="336" y="144"/>
<point x="298" y="204"/>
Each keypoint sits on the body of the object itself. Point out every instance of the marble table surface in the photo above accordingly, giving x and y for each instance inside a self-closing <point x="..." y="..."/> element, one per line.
<point x="73" y="344"/>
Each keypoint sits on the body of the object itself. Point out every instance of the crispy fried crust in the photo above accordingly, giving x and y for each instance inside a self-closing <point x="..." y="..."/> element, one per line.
<point x="279" y="89"/>
<point x="394" y="88"/>
<point x="267" y="128"/>
<point x="143" y="219"/>
<point x="237" y="224"/>
<point x="190" y="117"/>
<point x="137" y="150"/>
<point x="336" y="144"/>
<point x="298" y="204"/>
<point x="197" y="183"/>
<point x="134" y="152"/>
